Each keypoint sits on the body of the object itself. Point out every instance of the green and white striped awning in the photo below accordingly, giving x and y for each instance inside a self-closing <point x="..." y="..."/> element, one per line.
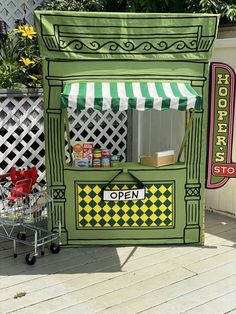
<point x="130" y="95"/>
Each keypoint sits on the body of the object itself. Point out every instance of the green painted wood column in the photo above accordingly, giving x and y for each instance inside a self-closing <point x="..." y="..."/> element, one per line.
<point x="194" y="186"/>
<point x="193" y="183"/>
<point x="55" y="156"/>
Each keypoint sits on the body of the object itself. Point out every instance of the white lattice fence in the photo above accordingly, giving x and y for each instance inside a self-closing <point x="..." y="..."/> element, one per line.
<point x="106" y="129"/>
<point x="22" y="132"/>
<point x="12" y="10"/>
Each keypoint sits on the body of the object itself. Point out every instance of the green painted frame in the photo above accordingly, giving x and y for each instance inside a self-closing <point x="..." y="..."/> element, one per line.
<point x="126" y="46"/>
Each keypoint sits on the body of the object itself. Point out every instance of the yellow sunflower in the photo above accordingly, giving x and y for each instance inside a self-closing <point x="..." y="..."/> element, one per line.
<point x="26" y="31"/>
<point x="26" y="61"/>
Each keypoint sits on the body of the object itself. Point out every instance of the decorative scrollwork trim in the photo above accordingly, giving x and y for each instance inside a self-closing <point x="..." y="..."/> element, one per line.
<point x="128" y="46"/>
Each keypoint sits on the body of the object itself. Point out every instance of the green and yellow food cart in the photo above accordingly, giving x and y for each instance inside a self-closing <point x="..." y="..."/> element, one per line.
<point x="123" y="61"/>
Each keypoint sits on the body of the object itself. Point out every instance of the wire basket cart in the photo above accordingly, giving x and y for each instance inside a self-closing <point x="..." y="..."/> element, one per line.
<point x="24" y="209"/>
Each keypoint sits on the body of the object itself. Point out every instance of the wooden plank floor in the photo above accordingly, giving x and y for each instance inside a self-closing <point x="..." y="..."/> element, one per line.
<point x="112" y="280"/>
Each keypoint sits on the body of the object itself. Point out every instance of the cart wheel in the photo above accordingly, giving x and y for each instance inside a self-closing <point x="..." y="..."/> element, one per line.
<point x="30" y="260"/>
<point x="15" y="255"/>
<point x="21" y="236"/>
<point x="55" y="248"/>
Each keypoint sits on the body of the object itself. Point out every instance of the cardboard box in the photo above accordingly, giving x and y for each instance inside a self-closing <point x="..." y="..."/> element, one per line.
<point x="77" y="151"/>
<point x="158" y="159"/>
<point x="88" y="153"/>
<point x="83" y="154"/>
<point x="81" y="163"/>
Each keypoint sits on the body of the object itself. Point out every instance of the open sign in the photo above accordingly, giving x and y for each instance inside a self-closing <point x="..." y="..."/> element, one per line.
<point x="124" y="195"/>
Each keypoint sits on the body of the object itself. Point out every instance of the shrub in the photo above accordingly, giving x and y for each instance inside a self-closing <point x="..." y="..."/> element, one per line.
<point x="20" y="64"/>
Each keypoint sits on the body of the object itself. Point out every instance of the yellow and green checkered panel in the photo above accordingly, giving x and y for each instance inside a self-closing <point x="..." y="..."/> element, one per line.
<point x="156" y="210"/>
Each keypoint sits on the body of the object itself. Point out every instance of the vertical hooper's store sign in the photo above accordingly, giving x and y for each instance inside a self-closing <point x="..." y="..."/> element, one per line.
<point x="222" y="96"/>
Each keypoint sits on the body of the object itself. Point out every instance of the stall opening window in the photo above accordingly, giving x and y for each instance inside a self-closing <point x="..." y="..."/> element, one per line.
<point x="102" y="117"/>
<point x="105" y="129"/>
<point x="162" y="131"/>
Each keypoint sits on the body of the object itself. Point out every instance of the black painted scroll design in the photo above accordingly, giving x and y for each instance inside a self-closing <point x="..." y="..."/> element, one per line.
<point x="111" y="46"/>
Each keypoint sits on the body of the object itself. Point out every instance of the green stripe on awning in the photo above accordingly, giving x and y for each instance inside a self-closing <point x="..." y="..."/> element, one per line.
<point x="130" y="95"/>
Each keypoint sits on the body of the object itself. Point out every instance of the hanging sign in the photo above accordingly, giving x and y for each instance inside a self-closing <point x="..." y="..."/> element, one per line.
<point x="222" y="96"/>
<point x="124" y="195"/>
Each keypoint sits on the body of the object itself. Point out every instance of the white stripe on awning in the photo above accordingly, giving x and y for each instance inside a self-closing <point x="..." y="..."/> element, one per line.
<point x="72" y="97"/>
<point x="174" y="101"/>
<point x="107" y="96"/>
<point x="157" y="100"/>
<point x="89" y="97"/>
<point x="191" y="99"/>
<point x="122" y="95"/>
<point x="140" y="100"/>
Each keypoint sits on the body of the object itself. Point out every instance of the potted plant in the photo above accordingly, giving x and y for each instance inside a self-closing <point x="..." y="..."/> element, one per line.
<point x="20" y="64"/>
<point x="21" y="103"/>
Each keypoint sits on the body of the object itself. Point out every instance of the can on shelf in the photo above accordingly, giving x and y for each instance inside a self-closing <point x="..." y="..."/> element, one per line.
<point x="105" y="153"/>
<point x="105" y="162"/>
<point x="115" y="157"/>
<point x="97" y="162"/>
<point x="115" y="160"/>
<point x="97" y="153"/>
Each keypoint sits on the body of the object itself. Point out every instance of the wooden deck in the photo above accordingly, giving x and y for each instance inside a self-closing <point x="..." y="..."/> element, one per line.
<point x="109" y="280"/>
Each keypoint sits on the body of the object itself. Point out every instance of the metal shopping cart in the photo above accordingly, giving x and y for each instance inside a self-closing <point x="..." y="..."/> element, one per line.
<point x="24" y="208"/>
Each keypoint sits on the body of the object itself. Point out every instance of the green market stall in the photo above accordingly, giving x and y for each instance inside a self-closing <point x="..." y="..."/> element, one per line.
<point x="126" y="61"/>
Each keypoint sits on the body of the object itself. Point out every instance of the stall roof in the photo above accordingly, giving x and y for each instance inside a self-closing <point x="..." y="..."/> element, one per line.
<point x="130" y="95"/>
<point x="134" y="36"/>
